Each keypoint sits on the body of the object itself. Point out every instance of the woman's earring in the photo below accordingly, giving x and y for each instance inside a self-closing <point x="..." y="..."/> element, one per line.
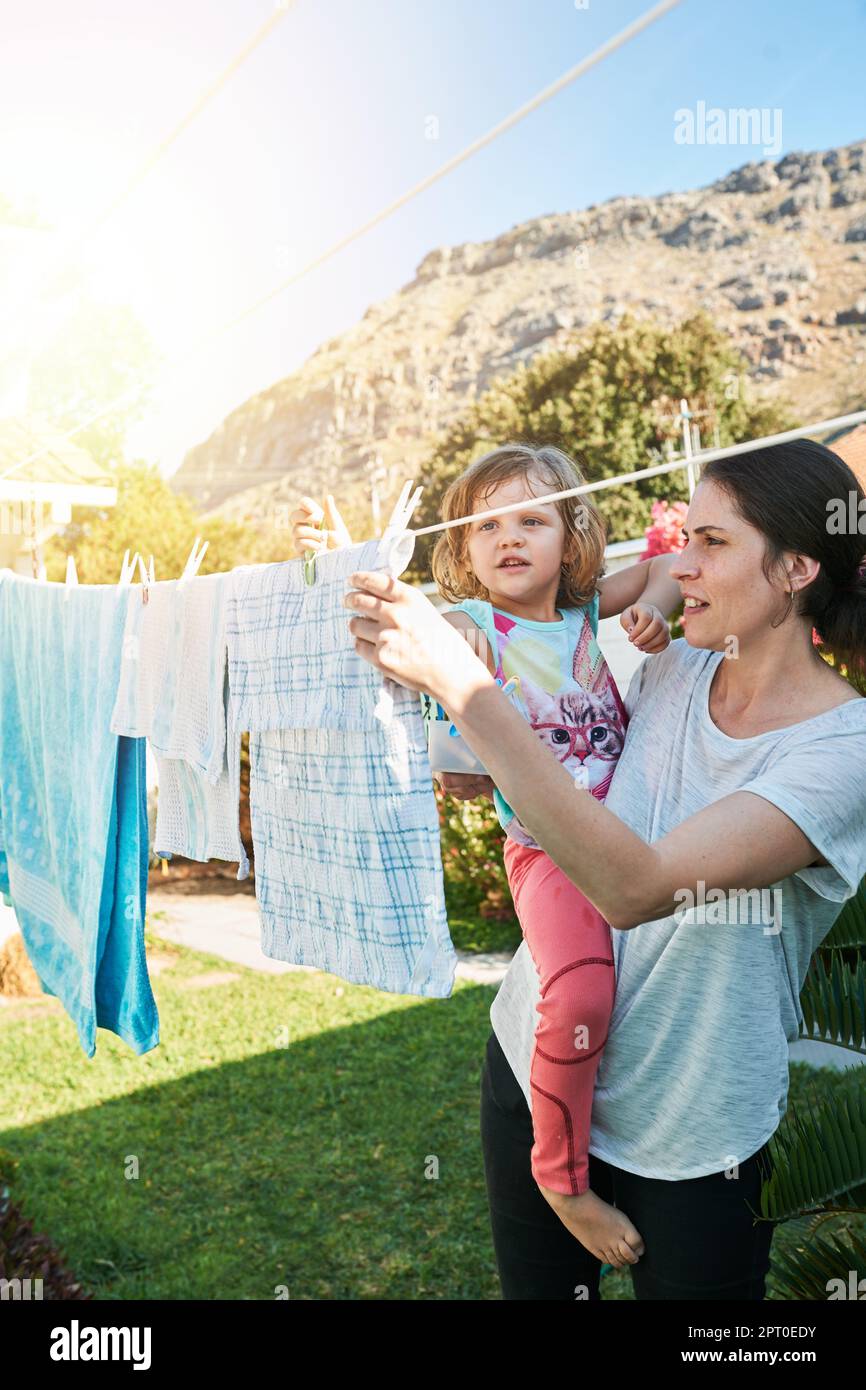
<point x="790" y="609"/>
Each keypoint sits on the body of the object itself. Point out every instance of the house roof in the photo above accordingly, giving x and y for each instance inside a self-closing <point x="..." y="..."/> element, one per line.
<point x="851" y="447"/>
<point x="61" y="462"/>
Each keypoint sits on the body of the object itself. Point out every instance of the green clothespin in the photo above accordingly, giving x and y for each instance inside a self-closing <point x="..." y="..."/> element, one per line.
<point x="310" y="558"/>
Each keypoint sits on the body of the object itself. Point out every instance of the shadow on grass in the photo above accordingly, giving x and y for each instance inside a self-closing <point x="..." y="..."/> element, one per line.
<point x="309" y="1166"/>
<point x="345" y="1164"/>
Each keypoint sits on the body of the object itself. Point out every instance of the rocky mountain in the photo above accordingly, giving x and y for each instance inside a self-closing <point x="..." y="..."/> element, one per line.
<point x="775" y="252"/>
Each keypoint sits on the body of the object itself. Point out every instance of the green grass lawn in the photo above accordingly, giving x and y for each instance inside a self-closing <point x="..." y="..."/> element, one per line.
<point x="282" y="1134"/>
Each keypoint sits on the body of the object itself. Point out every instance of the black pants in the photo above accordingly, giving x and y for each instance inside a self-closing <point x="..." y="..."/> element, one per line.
<point x="701" y="1238"/>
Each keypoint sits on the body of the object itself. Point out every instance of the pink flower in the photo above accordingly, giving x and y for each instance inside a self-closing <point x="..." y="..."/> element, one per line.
<point x="665" y="533"/>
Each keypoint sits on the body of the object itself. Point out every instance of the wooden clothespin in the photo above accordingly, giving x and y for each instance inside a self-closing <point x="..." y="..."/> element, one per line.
<point x="148" y="577"/>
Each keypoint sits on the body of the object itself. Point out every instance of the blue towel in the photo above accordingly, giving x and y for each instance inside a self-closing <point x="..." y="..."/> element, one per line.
<point x="73" y="805"/>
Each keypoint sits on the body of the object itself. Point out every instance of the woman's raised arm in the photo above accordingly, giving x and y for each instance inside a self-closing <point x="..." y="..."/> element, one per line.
<point x="739" y="842"/>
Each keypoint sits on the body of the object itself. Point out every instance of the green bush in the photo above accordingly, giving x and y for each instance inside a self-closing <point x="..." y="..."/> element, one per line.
<point x="472" y="859"/>
<point x="612" y="392"/>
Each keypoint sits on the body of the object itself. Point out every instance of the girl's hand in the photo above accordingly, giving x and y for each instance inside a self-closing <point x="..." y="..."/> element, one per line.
<point x="398" y="630"/>
<point x="646" y="627"/>
<point x="465" y="786"/>
<point x="305" y="533"/>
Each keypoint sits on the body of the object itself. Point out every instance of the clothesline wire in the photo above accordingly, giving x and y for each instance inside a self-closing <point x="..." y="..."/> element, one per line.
<point x="610" y="46"/>
<point x="729" y="451"/>
<point x="206" y="340"/>
<point x="212" y="90"/>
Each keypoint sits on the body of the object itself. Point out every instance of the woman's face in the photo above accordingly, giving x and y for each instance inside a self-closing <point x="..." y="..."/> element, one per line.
<point x="534" y="535"/>
<point x="721" y="567"/>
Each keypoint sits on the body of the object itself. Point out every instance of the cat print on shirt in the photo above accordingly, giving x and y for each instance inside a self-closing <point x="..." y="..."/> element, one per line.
<point x="585" y="730"/>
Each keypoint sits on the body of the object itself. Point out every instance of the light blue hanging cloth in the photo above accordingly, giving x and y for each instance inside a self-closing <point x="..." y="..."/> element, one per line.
<point x="73" y="805"/>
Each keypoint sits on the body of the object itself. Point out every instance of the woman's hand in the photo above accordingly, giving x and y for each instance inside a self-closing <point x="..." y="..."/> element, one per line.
<point x="305" y="520"/>
<point x="465" y="786"/>
<point x="398" y="630"/>
<point x="647" y="627"/>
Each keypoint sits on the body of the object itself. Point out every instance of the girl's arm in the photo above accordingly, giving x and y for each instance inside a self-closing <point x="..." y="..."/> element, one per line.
<point x="647" y="582"/>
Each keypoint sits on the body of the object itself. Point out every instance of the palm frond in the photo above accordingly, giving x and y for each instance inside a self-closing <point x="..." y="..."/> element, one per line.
<point x="849" y="929"/>
<point x="818" y="1158"/>
<point x="833" y="1000"/>
<point x="808" y="1274"/>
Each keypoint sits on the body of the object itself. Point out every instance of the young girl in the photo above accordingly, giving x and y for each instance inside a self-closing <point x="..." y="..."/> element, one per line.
<point x="529" y="596"/>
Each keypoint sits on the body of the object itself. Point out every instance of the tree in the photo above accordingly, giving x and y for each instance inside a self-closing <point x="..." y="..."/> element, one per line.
<point x="151" y="518"/>
<point x="101" y="355"/>
<point x="611" y="395"/>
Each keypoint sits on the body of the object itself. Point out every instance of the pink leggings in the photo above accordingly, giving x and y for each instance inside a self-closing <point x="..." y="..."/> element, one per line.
<point x="570" y="944"/>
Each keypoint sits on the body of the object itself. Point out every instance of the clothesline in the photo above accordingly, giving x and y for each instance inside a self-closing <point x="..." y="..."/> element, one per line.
<point x="205" y="341"/>
<point x="729" y="451"/>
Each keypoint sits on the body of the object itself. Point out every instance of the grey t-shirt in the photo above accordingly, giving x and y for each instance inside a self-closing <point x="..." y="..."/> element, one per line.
<point x="694" y="1074"/>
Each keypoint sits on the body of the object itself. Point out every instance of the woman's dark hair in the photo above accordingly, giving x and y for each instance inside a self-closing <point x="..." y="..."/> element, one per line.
<point x="802" y="497"/>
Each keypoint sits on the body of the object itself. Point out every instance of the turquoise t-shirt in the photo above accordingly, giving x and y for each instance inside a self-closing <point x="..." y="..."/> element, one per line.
<point x="564" y="689"/>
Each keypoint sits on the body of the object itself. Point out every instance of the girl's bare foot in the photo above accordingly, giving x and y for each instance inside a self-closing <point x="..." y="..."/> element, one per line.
<point x="604" y="1230"/>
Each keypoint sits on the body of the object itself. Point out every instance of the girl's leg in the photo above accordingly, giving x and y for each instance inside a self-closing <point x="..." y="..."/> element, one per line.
<point x="701" y="1239"/>
<point x="570" y="944"/>
<point x="536" y="1257"/>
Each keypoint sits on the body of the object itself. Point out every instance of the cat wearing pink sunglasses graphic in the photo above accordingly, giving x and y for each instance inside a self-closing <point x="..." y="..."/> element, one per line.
<point x="585" y="730"/>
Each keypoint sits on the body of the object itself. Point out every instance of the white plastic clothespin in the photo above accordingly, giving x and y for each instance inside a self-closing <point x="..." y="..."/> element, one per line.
<point x="71" y="576"/>
<point x="196" y="556"/>
<point x="398" y="522"/>
<point x="148" y="577"/>
<point x="403" y="508"/>
<point x="127" y="569"/>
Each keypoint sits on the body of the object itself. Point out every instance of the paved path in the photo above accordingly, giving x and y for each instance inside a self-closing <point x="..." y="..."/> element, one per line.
<point x="227" y="925"/>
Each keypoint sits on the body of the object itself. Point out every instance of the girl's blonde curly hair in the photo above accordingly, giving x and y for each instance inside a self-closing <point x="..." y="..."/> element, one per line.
<point x="585" y="531"/>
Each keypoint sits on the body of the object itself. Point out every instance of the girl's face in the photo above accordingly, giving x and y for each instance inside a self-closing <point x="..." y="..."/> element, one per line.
<point x="721" y="566"/>
<point x="533" y="536"/>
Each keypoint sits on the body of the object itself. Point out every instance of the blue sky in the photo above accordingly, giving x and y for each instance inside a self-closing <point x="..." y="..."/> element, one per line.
<point x="329" y="120"/>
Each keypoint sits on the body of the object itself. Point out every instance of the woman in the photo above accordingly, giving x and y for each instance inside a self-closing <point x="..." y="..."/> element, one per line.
<point x="744" y="768"/>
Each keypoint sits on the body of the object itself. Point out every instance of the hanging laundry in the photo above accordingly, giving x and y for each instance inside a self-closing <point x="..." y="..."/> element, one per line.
<point x="344" y="819"/>
<point x="73" y="806"/>
<point x="292" y="658"/>
<point x="173" y="690"/>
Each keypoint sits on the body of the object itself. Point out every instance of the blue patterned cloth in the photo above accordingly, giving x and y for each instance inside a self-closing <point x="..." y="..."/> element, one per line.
<point x="348" y="865"/>
<point x="292" y="658"/>
<point x="73" y="806"/>
<point x="345" y="825"/>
